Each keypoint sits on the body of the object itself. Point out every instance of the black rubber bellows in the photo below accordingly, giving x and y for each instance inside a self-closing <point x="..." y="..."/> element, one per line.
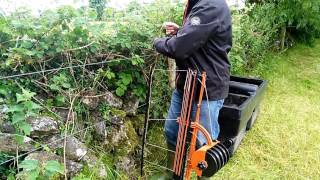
<point x="216" y="158"/>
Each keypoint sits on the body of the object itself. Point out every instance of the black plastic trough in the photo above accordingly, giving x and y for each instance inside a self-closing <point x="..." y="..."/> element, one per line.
<point x="240" y="109"/>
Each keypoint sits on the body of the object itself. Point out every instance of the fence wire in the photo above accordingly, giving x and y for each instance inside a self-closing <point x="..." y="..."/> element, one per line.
<point x="63" y="137"/>
<point x="58" y="69"/>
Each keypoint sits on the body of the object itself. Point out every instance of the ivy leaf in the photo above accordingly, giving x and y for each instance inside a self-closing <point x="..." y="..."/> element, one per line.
<point x="54" y="167"/>
<point x="18" y="117"/>
<point x="29" y="165"/>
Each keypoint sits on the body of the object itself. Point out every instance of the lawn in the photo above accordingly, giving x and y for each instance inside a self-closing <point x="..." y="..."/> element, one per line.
<point x="285" y="141"/>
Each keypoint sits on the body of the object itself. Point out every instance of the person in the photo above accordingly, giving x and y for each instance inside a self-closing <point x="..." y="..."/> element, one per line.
<point x="202" y="44"/>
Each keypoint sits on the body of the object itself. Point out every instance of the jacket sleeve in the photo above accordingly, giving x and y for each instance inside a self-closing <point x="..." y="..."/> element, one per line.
<point x="194" y="34"/>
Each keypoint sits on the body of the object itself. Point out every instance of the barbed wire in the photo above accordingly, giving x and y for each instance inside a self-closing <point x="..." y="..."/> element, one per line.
<point x="58" y="69"/>
<point x="159" y="147"/>
<point x="157" y="165"/>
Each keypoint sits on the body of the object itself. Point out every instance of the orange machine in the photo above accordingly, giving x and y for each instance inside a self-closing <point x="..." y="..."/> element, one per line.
<point x="206" y="160"/>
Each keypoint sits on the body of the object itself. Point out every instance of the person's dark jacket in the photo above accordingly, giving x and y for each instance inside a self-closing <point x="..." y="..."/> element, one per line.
<point x="202" y="44"/>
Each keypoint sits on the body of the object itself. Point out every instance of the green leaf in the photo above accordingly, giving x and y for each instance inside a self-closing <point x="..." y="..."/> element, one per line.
<point x="110" y="75"/>
<point x="31" y="114"/>
<point x="11" y="177"/>
<point x="54" y="87"/>
<point x="46" y="148"/>
<point x="137" y="60"/>
<point x="34" y="174"/>
<point x="30" y="105"/>
<point x="25" y="96"/>
<point x="60" y="100"/>
<point x="3" y="91"/>
<point x="126" y="78"/>
<point x="25" y="127"/>
<point x="29" y="165"/>
<point x="80" y="178"/>
<point x="54" y="167"/>
<point x="120" y="91"/>
<point x="66" y="85"/>
<point x="18" y="117"/>
<point x="19" y="139"/>
<point x="16" y="108"/>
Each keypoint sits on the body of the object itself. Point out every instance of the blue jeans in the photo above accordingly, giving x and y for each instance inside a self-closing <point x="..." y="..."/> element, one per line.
<point x="208" y="109"/>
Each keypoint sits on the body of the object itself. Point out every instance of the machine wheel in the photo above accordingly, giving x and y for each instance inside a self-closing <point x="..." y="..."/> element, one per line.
<point x="224" y="151"/>
<point x="213" y="165"/>
<point x="216" y="157"/>
<point x="253" y="118"/>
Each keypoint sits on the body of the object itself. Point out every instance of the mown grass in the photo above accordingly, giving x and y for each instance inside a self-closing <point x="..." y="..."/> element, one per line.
<point x="285" y="141"/>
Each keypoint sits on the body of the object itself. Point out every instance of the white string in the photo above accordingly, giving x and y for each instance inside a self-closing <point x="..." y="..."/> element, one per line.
<point x="159" y="147"/>
<point x="162" y="119"/>
<point x="157" y="165"/>
<point x="171" y="70"/>
<point x="206" y="91"/>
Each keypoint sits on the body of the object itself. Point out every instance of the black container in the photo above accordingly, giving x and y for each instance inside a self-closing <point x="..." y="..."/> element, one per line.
<point x="245" y="95"/>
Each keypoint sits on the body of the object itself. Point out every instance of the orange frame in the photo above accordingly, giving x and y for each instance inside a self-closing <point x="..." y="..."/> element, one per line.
<point x="198" y="156"/>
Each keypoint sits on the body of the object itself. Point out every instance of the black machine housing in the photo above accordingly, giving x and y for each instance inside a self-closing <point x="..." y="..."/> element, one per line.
<point x="240" y="110"/>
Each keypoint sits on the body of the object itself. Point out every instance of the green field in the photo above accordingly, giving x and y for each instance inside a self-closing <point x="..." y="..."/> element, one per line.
<point x="285" y="141"/>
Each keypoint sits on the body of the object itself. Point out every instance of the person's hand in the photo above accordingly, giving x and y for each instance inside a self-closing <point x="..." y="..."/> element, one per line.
<point x="170" y="28"/>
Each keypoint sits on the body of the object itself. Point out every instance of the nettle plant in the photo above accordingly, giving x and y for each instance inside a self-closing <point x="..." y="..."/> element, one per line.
<point x="34" y="170"/>
<point x="22" y="109"/>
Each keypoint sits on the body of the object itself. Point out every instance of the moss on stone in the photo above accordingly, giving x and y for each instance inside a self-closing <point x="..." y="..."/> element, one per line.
<point x="137" y="121"/>
<point x="118" y="113"/>
<point x="129" y="143"/>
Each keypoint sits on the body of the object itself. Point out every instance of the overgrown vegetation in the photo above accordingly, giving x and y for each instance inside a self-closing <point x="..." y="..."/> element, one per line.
<point x="80" y="52"/>
<point x="272" y="26"/>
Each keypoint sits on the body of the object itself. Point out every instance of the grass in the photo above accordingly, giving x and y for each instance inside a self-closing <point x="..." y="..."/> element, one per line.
<point x="285" y="141"/>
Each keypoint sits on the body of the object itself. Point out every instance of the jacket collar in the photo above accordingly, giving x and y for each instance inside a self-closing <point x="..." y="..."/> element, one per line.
<point x="189" y="6"/>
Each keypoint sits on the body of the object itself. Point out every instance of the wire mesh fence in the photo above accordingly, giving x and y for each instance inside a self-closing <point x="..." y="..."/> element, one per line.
<point x="81" y="132"/>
